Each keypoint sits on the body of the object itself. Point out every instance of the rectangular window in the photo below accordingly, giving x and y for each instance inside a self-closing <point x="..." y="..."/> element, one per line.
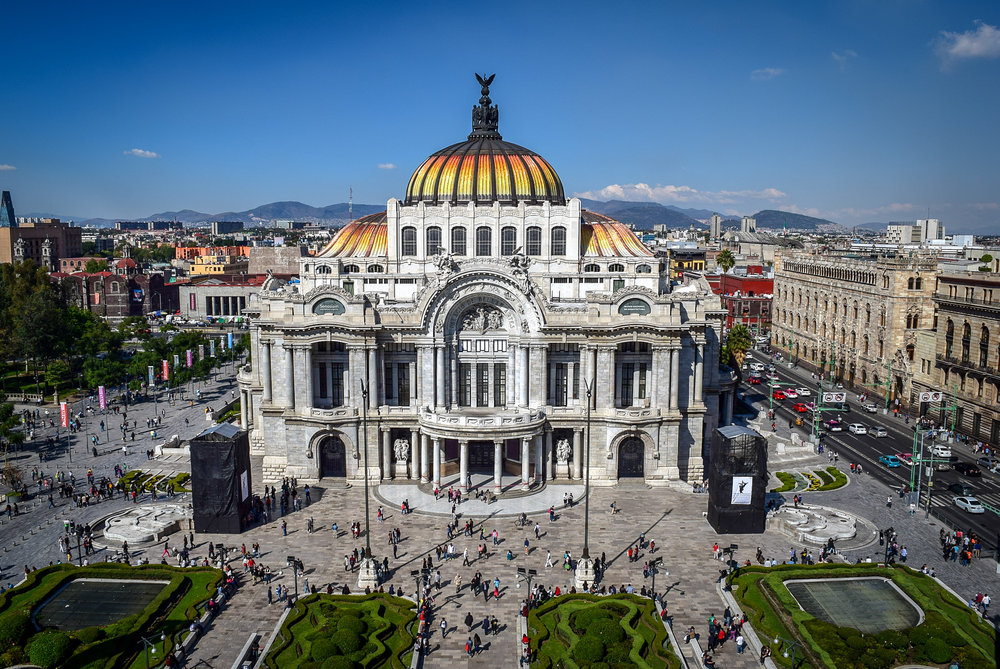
<point x="977" y="424"/>
<point x="499" y="345"/>
<point x="349" y="287"/>
<point x="626" y="395"/>
<point x="482" y="345"/>
<point x="209" y="311"/>
<point x="403" y="384"/>
<point x="642" y="380"/>
<point x="482" y="385"/>
<point x="559" y="392"/>
<point x="464" y="384"/>
<point x="995" y="431"/>
<point x="322" y="381"/>
<point x="387" y="378"/>
<point x="500" y="384"/>
<point x="576" y="382"/>
<point x="337" y="398"/>
<point x="617" y="285"/>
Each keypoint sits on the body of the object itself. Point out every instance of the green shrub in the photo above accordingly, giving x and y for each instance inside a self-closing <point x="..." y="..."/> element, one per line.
<point x="323" y="648"/>
<point x="49" y="648"/>
<point x="338" y="662"/>
<point x="607" y="630"/>
<point x="787" y="482"/>
<point x="937" y="651"/>
<point x="856" y="642"/>
<point x="89" y="635"/>
<point x="14" y="628"/>
<point x="356" y="625"/>
<point x="583" y="619"/>
<point x="346" y="640"/>
<point x="892" y="639"/>
<point x="588" y="649"/>
<point x="619" y="653"/>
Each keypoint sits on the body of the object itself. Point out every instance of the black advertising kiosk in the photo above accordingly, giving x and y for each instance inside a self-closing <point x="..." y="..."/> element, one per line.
<point x="737" y="481"/>
<point x="220" y="479"/>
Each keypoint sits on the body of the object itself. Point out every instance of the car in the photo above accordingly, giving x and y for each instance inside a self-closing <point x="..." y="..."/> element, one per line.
<point x="870" y="407"/>
<point x="987" y="463"/>
<point x="801" y="408"/>
<point x="834" y="426"/>
<point x="941" y="451"/>
<point x="754" y="380"/>
<point x="967" y="469"/>
<point x="840" y="406"/>
<point x="878" y="432"/>
<point x="778" y="395"/>
<point x="757" y="367"/>
<point x="791" y="394"/>
<point x="803" y="392"/>
<point x="963" y="489"/>
<point x="773" y="377"/>
<point x="905" y="458"/>
<point x="890" y="461"/>
<point x="945" y="464"/>
<point x="970" y="504"/>
<point x="857" y="428"/>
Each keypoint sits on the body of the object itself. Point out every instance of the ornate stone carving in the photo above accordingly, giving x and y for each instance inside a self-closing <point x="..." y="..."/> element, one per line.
<point x="562" y="451"/>
<point x="402" y="449"/>
<point x="445" y="264"/>
<point x="482" y="319"/>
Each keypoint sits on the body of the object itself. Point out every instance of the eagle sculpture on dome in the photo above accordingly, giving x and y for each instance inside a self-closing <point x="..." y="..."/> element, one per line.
<point x="485" y="116"/>
<point x="485" y="82"/>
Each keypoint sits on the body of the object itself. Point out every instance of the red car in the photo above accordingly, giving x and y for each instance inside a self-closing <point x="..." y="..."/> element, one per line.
<point x="778" y="394"/>
<point x="754" y="380"/>
<point x="801" y="408"/>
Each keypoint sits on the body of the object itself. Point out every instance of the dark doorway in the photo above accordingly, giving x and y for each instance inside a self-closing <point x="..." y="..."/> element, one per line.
<point x="332" y="457"/>
<point x="481" y="456"/>
<point x="630" y="458"/>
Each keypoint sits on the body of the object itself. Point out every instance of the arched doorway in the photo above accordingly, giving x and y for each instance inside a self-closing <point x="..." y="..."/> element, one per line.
<point x="631" y="456"/>
<point x="332" y="457"/>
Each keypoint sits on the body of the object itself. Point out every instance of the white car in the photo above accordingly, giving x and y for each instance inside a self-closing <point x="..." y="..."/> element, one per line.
<point x="803" y="392"/>
<point x="870" y="407"/>
<point x="792" y="394"/>
<point x="857" y="428"/>
<point x="970" y="504"/>
<point x="941" y="451"/>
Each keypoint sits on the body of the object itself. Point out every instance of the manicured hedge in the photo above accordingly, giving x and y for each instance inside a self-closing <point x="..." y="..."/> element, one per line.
<point x="951" y="630"/>
<point x="787" y="482"/>
<point x="113" y="645"/>
<point x="333" y="631"/>
<point x="838" y="479"/>
<point x="616" y="631"/>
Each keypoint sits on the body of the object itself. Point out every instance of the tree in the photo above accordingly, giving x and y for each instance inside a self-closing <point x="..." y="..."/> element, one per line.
<point x="57" y="373"/>
<point x="10" y="435"/>
<point x="95" y="266"/>
<point x="726" y="261"/>
<point x="738" y="342"/>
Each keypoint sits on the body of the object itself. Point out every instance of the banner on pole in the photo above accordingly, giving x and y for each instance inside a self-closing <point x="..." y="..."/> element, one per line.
<point x="229" y="339"/>
<point x="190" y="358"/>
<point x="102" y="398"/>
<point x="201" y="351"/>
<point x="211" y="348"/>
<point x="64" y="414"/>
<point x="931" y="397"/>
<point x="177" y="360"/>
<point x="151" y="372"/>
<point x="166" y="371"/>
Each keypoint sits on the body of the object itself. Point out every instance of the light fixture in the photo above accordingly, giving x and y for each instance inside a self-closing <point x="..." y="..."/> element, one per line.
<point x="785" y="654"/>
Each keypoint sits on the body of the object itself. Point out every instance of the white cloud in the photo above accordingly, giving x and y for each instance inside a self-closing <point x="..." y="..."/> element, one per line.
<point x="983" y="42"/>
<point x="670" y="194"/>
<point x="985" y="206"/>
<point x="7" y="168"/>
<point x="386" y="166"/>
<point x="141" y="153"/>
<point x="843" y="57"/>
<point x="766" y="73"/>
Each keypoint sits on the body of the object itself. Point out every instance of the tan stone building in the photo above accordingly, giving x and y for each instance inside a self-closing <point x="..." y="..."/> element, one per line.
<point x="961" y="356"/>
<point x="855" y="316"/>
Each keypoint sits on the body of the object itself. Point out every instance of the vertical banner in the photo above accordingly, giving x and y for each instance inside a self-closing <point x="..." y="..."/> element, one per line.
<point x="151" y="372"/>
<point x="177" y="360"/>
<point x="64" y="414"/>
<point x="211" y="348"/>
<point x="190" y="358"/>
<point x="166" y="371"/>
<point x="229" y="340"/>
<point x="102" y="398"/>
<point x="201" y="351"/>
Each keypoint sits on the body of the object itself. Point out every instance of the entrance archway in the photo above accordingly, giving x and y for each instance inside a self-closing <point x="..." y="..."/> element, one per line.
<point x="481" y="456"/>
<point x="631" y="457"/>
<point x="332" y="457"/>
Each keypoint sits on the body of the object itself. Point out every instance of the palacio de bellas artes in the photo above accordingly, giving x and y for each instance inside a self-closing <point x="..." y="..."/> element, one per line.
<point x="464" y="331"/>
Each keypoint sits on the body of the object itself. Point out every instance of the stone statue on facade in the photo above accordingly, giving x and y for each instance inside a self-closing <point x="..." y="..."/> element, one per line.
<point x="562" y="451"/>
<point x="270" y="283"/>
<point x="402" y="449"/>
<point x="444" y="262"/>
<point x="482" y="319"/>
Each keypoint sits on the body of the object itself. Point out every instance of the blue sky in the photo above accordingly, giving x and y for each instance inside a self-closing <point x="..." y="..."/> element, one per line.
<point x="854" y="111"/>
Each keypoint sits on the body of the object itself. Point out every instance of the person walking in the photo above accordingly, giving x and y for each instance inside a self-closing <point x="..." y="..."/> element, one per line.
<point x="444" y="628"/>
<point x="469" y="621"/>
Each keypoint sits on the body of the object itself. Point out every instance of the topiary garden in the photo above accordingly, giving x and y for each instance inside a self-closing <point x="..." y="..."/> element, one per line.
<point x="342" y="632"/>
<point x="590" y="631"/>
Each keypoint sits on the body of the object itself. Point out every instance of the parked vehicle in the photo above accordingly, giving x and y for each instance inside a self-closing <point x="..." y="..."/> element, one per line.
<point x="905" y="458"/>
<point x="778" y="395"/>
<point x="834" y="426"/>
<point x="803" y="392"/>
<point x="986" y="463"/>
<point x="941" y="450"/>
<point x="801" y="408"/>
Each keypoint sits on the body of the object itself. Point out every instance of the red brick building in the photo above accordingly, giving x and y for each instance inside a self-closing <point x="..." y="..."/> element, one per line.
<point x="745" y="297"/>
<point x="118" y="293"/>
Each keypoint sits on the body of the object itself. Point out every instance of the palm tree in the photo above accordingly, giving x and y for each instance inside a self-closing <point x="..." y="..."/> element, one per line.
<point x="726" y="261"/>
<point x="739" y="341"/>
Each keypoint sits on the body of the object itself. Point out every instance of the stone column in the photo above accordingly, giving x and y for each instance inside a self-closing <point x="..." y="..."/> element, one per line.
<point x="243" y="410"/>
<point x="436" y="446"/>
<point x="653" y="378"/>
<point x="511" y="377"/>
<point x="675" y="372"/>
<point x="454" y="376"/>
<point x="523" y="374"/>
<point x="497" y="465"/>
<point x="605" y="377"/>
<point x="418" y="384"/>
<point x="386" y="454"/>
<point x="345" y="382"/>
<point x="414" y="455"/>
<point x="634" y="400"/>
<point x="413" y="384"/>
<point x="463" y="465"/>
<point x="525" y="461"/>
<point x="584" y="373"/>
<point x="699" y="370"/>
<point x="265" y="370"/>
<point x="439" y="378"/>
<point x="573" y="393"/>
<point x="474" y="383"/>
<point x="425" y="458"/>
<point x="308" y="401"/>
<point x="543" y="375"/>
<point x="549" y="455"/>
<point x="289" y="377"/>
<point x="372" y="378"/>
<point x="577" y="454"/>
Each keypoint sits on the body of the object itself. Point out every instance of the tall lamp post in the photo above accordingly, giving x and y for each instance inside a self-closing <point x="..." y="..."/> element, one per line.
<point x="297" y="566"/>
<point x="368" y="575"/>
<point x="790" y="647"/>
<point x="585" y="565"/>
<point x="151" y="645"/>
<point x="653" y="571"/>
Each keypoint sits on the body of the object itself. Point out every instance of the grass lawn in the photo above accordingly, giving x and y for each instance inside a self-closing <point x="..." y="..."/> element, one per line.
<point x="951" y="631"/>
<point x="617" y="631"/>
<point x="334" y="631"/>
<point x="114" y="645"/>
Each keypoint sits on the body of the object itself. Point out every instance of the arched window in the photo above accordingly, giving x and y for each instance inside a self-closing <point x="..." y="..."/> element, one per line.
<point x="484" y="241"/>
<point x="984" y="346"/>
<point x="909" y="352"/>
<point x="375" y="269"/>
<point x="864" y="345"/>
<point x="881" y="347"/>
<point x="917" y="282"/>
<point x="949" y="339"/>
<point x="868" y="314"/>
<point x="351" y="269"/>
<point x="324" y="269"/>
<point x="591" y="268"/>
<point x="508" y="241"/>
<point x="533" y="239"/>
<point x="433" y="240"/>
<point x="909" y="283"/>
<point x="557" y="247"/>
<point x="854" y="339"/>
<point x="616" y="267"/>
<point x="643" y="269"/>
<point x="458" y="241"/>
<point x="855" y="311"/>
<point x="409" y="241"/>
<point x="966" y="341"/>
<point x="114" y="287"/>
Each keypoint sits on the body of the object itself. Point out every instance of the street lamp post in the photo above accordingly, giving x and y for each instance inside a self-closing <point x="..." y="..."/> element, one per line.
<point x="418" y="577"/>
<point x="527" y="575"/>
<point x="151" y="646"/>
<point x="790" y="647"/>
<point x="653" y="571"/>
<point x="585" y="565"/>
<point x="368" y="574"/>
<point x="296" y="566"/>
